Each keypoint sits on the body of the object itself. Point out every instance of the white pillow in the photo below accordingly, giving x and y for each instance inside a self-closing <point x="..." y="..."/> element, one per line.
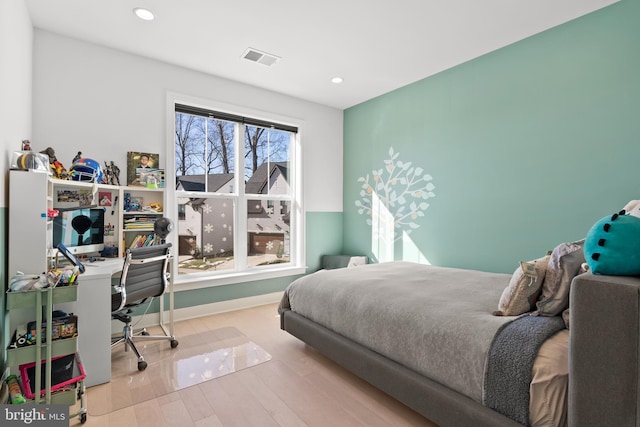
<point x="521" y="294"/>
<point x="565" y="263"/>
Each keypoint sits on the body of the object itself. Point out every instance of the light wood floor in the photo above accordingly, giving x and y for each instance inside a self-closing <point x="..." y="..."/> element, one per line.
<point x="298" y="387"/>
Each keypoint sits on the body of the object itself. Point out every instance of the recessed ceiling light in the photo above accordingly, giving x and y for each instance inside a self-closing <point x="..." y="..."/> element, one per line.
<point x="337" y="80"/>
<point x="144" y="14"/>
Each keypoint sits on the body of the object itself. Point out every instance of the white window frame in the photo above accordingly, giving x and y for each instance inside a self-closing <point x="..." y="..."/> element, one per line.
<point x="297" y="263"/>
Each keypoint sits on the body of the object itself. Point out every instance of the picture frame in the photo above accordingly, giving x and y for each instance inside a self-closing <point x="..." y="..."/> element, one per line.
<point x="74" y="198"/>
<point x="104" y="198"/>
<point x="139" y="162"/>
<point x="151" y="178"/>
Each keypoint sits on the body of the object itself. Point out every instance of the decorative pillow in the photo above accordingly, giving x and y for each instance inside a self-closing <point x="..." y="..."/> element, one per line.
<point x="612" y="246"/>
<point x="524" y="288"/>
<point x="355" y="261"/>
<point x="330" y="262"/>
<point x="564" y="264"/>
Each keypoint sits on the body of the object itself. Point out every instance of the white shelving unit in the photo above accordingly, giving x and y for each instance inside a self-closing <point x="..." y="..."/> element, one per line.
<point x="33" y="193"/>
<point x="148" y="196"/>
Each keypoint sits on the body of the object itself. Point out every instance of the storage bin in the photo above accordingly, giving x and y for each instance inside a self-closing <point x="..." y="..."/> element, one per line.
<point x="65" y="370"/>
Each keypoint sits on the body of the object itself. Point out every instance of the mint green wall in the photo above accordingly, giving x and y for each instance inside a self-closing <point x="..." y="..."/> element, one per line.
<point x="324" y="236"/>
<point x="528" y="146"/>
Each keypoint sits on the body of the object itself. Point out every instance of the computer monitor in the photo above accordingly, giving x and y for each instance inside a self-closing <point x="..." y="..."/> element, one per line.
<point x="80" y="230"/>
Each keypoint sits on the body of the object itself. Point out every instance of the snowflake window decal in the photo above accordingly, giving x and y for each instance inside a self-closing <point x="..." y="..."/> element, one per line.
<point x="206" y="208"/>
<point x="401" y="188"/>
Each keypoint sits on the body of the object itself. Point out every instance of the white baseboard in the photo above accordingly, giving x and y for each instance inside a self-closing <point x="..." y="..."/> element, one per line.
<point x="153" y="319"/>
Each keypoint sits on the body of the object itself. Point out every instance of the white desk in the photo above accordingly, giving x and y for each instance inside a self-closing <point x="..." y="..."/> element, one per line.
<point x="93" y="308"/>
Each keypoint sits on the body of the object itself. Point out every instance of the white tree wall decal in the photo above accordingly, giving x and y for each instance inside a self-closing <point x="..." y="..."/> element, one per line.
<point x="393" y="197"/>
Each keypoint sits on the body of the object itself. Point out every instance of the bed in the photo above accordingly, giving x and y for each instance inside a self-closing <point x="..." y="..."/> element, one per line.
<point x="428" y="337"/>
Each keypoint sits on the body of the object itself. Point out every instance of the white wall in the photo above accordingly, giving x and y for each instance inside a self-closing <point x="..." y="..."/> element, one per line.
<point x="16" y="41"/>
<point x="104" y="103"/>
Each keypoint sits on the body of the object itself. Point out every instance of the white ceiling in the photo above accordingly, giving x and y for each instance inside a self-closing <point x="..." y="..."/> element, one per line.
<point x="376" y="46"/>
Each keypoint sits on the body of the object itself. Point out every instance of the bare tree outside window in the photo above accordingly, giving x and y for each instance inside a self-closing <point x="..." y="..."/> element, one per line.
<point x="188" y="144"/>
<point x="254" y="142"/>
<point x="218" y="153"/>
<point x="221" y="142"/>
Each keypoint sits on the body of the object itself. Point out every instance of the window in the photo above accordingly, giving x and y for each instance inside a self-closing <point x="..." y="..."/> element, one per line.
<point x="236" y="192"/>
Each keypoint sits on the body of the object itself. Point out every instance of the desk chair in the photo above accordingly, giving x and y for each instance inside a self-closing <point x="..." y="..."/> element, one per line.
<point x="144" y="276"/>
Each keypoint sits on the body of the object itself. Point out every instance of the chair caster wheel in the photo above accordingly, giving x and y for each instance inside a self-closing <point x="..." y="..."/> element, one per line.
<point x="145" y="333"/>
<point x="142" y="365"/>
<point x="83" y="418"/>
<point x="174" y="343"/>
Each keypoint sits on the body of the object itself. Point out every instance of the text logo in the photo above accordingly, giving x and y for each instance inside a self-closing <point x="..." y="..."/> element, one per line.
<point x="34" y="415"/>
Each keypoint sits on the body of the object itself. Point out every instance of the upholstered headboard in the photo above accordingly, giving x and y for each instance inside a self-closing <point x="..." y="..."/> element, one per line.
<point x="604" y="358"/>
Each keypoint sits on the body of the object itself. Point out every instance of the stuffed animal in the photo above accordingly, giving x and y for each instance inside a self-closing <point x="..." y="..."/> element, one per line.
<point x="633" y="208"/>
<point x="612" y="246"/>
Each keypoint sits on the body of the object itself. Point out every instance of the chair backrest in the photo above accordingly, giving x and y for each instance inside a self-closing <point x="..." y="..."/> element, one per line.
<point x="144" y="274"/>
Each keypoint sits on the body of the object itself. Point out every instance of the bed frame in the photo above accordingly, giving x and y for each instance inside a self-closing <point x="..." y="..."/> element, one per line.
<point x="604" y="362"/>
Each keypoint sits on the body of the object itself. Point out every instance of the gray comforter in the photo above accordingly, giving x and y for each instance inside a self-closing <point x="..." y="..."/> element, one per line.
<point x="434" y="320"/>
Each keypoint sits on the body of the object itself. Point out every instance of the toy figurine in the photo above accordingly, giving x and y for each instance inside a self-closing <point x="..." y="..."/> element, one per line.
<point x="134" y="205"/>
<point x="77" y="157"/>
<point x="56" y="167"/>
<point x="127" y="202"/>
<point x="112" y="176"/>
<point x="26" y="145"/>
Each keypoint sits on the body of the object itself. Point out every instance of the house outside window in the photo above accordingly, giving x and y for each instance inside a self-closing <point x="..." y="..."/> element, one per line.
<point x="236" y="189"/>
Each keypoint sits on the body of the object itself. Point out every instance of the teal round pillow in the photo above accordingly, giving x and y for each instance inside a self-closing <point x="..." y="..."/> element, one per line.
<point x="612" y="246"/>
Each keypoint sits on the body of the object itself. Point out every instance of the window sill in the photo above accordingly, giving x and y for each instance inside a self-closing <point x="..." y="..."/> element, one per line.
<point x="199" y="282"/>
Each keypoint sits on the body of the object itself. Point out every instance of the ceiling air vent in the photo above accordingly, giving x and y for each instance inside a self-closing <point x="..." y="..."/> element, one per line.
<point x="263" y="58"/>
